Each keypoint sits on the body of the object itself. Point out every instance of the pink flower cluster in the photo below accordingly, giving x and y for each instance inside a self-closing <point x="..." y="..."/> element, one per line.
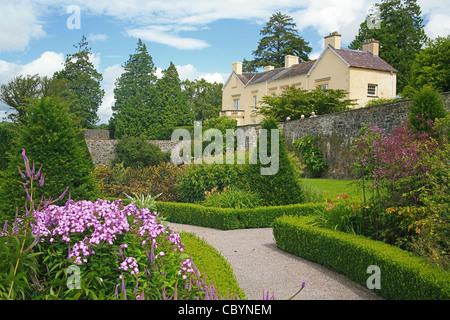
<point x="130" y="263"/>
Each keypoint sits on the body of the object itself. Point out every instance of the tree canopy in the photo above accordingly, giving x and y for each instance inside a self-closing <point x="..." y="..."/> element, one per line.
<point x="401" y="35"/>
<point x="83" y="84"/>
<point x="296" y="102"/>
<point x="280" y="38"/>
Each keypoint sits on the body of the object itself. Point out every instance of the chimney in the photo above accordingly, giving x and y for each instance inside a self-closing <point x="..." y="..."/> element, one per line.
<point x="373" y="46"/>
<point x="237" y="67"/>
<point x="290" y="60"/>
<point x="268" y="68"/>
<point x="334" y="39"/>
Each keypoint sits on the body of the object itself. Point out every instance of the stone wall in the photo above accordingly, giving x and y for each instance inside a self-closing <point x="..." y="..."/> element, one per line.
<point x="102" y="149"/>
<point x="336" y="132"/>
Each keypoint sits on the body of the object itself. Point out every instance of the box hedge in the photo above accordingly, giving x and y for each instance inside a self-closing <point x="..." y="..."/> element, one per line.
<point x="228" y="219"/>
<point x="403" y="275"/>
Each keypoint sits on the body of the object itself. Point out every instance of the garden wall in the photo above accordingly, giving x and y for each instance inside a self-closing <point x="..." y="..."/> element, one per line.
<point x="336" y="132"/>
<point x="102" y="149"/>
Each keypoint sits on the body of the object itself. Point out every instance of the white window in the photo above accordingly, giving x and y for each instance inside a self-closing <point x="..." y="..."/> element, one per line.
<point x="236" y="104"/>
<point x="372" y="90"/>
<point x="324" y="86"/>
<point x="255" y="102"/>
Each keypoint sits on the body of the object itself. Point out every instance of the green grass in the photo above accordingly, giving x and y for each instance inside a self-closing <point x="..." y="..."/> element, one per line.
<point x="332" y="188"/>
<point x="210" y="262"/>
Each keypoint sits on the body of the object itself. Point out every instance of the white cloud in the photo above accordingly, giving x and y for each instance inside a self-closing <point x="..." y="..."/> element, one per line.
<point x="163" y="35"/>
<point x="110" y="75"/>
<point x="439" y="25"/>
<point x="19" y="23"/>
<point x="46" y="65"/>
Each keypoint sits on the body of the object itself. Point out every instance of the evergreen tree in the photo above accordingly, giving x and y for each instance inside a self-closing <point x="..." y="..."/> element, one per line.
<point x="83" y="85"/>
<point x="280" y="38"/>
<point x="52" y="140"/>
<point x="136" y="109"/>
<point x="174" y="109"/>
<point x="203" y="98"/>
<point x="401" y="34"/>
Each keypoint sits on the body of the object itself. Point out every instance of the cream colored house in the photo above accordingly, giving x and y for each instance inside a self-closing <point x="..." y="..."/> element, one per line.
<point x="363" y="74"/>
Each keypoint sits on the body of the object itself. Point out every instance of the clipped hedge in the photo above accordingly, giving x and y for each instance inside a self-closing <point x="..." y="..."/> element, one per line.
<point x="403" y="275"/>
<point x="227" y="218"/>
<point x="212" y="264"/>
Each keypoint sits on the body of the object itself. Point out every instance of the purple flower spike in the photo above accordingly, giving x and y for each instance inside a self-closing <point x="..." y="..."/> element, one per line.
<point x="21" y="173"/>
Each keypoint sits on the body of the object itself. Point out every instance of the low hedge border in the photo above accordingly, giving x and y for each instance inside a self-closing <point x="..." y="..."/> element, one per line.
<point x="212" y="264"/>
<point x="229" y="219"/>
<point x="403" y="275"/>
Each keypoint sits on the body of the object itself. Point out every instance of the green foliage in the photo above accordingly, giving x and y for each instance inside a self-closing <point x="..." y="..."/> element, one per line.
<point x="401" y="34"/>
<point x="229" y="218"/>
<point x="280" y="38"/>
<point x="203" y="98"/>
<point x="198" y="178"/>
<point x="431" y="67"/>
<point x="143" y="201"/>
<point x="427" y="104"/>
<point x="160" y="179"/>
<point x="311" y="156"/>
<point x="136" y="108"/>
<point x="209" y="261"/>
<point x="138" y="152"/>
<point x="83" y="84"/>
<point x="50" y="138"/>
<point x="282" y="187"/>
<point x="231" y="198"/>
<point x="7" y="133"/>
<point x="173" y="104"/>
<point x="404" y="276"/>
<point x="375" y="102"/>
<point x="297" y="102"/>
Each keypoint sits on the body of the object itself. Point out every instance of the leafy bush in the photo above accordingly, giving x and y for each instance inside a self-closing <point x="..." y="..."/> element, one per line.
<point x="282" y="187"/>
<point x="198" y="178"/>
<point x="311" y="156"/>
<point x="138" y="152"/>
<point x="6" y="140"/>
<point x="118" y="180"/>
<point x="50" y="137"/>
<point x="408" y="174"/>
<point x="231" y="198"/>
<point x="404" y="276"/>
<point x="427" y="104"/>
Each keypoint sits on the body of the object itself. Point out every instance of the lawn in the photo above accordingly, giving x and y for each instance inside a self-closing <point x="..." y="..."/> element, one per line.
<point x="332" y="188"/>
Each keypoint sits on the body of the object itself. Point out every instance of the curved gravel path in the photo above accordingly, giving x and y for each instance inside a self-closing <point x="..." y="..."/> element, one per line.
<point x="259" y="265"/>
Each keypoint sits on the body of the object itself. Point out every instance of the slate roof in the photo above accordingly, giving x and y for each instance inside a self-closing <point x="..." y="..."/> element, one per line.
<point x="363" y="59"/>
<point x="353" y="58"/>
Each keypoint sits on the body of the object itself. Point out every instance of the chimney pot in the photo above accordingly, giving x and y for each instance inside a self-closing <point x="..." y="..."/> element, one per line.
<point x="290" y="60"/>
<point x="333" y="39"/>
<point x="373" y="46"/>
<point x="237" y="67"/>
<point x="268" y="68"/>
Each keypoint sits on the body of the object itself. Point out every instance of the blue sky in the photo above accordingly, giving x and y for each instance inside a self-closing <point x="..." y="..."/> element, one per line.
<point x="201" y="37"/>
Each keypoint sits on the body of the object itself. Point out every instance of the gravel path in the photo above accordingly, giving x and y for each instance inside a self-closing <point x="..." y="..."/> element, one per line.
<point x="259" y="265"/>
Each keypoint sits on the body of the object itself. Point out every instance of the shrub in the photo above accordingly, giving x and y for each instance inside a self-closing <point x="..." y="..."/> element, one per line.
<point x="198" y="178"/>
<point x="282" y="187"/>
<point x="231" y="198"/>
<point x="6" y="139"/>
<point x="408" y="174"/>
<point x="50" y="137"/>
<point x="311" y="156"/>
<point x="138" y="152"/>
<point x="427" y="104"/>
<point x="403" y="275"/>
<point x="118" y="180"/>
